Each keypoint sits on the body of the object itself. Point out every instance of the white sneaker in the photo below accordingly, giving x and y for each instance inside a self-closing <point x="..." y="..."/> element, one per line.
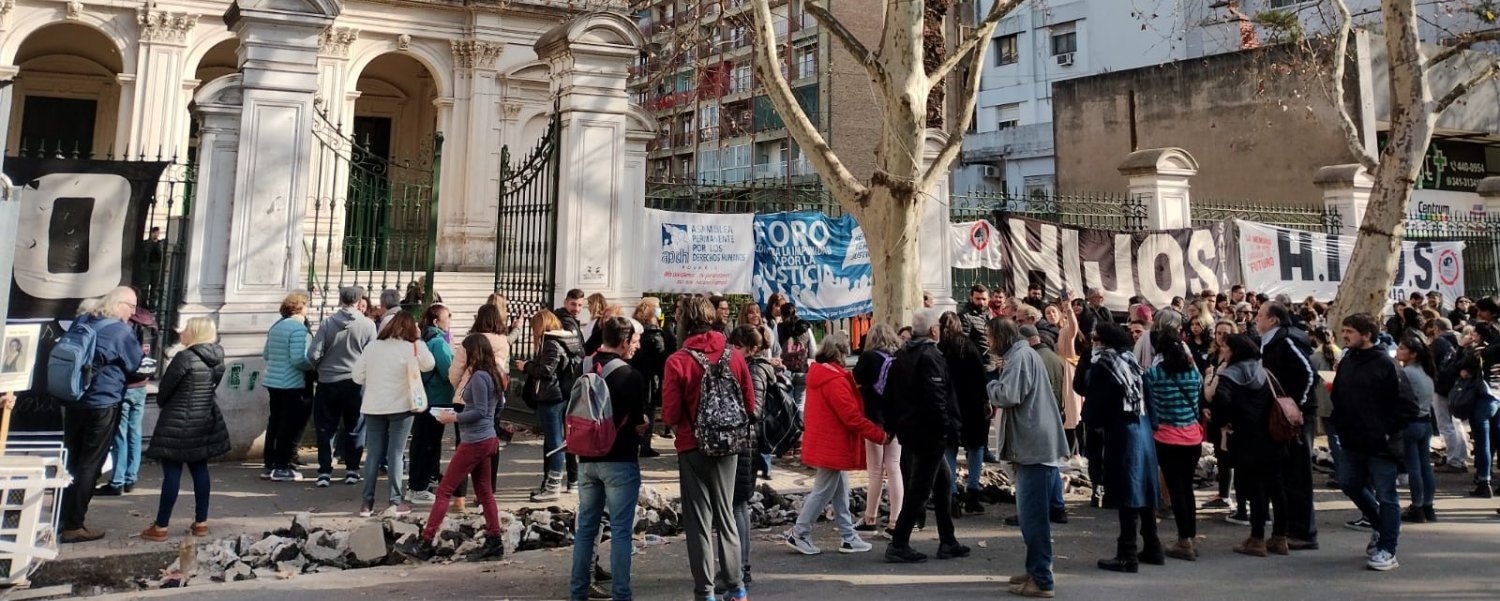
<point x="855" y="546"/>
<point x="1382" y="561"/>
<point x="802" y="544"/>
<point x="1370" y="547"/>
<point x="421" y="497"/>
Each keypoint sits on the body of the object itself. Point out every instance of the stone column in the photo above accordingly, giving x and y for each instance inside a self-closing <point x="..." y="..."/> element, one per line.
<point x="589" y="57"/>
<point x="1346" y="192"/>
<point x="934" y="244"/>
<point x="329" y="177"/>
<point x="156" y="101"/>
<point x="7" y="98"/>
<point x="1159" y="178"/>
<point x="466" y="196"/>
<point x="278" y="65"/>
<point x="217" y="108"/>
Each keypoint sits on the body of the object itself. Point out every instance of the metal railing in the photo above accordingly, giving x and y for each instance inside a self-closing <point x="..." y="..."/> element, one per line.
<point x="1481" y="237"/>
<point x="1316" y="219"/>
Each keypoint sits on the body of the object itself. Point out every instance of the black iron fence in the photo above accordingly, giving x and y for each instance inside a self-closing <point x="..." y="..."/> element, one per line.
<point x="745" y="197"/>
<point x="1316" y="219"/>
<point x="1481" y="237"/>
<point x="526" y="233"/>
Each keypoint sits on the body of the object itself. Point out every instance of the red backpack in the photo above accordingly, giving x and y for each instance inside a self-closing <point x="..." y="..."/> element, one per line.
<point x="590" y="418"/>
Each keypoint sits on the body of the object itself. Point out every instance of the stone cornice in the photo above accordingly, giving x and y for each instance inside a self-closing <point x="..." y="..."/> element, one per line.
<point x="335" y="41"/>
<point x="476" y="54"/>
<point x="162" y="26"/>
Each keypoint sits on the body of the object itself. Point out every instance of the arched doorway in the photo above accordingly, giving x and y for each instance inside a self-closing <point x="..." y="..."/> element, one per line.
<point x="67" y="93"/>
<point x="220" y="60"/>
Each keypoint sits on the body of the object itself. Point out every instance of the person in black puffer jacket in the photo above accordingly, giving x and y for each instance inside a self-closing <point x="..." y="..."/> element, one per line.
<point x="190" y="429"/>
<point x="1242" y="402"/>
<point x="966" y="367"/>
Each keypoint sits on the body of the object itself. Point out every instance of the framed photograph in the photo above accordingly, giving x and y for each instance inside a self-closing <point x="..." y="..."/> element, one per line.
<point x="18" y="349"/>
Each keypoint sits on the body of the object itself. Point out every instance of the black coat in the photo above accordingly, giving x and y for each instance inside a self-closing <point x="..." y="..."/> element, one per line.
<point x="190" y="427"/>
<point x="1372" y="403"/>
<point x="651" y="358"/>
<point x="975" y="320"/>
<point x="966" y="369"/>
<point x="921" y="400"/>
<point x="1286" y="357"/>
<point x="1242" y="401"/>
<point x="866" y="373"/>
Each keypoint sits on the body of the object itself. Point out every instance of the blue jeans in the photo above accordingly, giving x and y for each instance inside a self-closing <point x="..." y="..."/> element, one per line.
<point x="1370" y="481"/>
<point x="1485" y="426"/>
<point x="614" y="485"/>
<point x="551" y="417"/>
<point x="1334" y="448"/>
<point x="385" y="438"/>
<point x="976" y="466"/>
<point x="127" y="453"/>
<point x="171" y="482"/>
<point x="1036" y="488"/>
<point x="1417" y="441"/>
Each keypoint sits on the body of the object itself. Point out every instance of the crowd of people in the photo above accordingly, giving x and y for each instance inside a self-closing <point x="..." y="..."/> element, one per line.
<point x="1031" y="382"/>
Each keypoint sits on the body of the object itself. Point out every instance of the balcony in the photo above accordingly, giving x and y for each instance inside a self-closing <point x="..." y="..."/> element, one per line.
<point x="776" y="170"/>
<point x="1023" y="142"/>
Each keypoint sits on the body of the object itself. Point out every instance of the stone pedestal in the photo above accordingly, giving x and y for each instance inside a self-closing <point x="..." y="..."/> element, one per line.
<point x="1346" y="192"/>
<point x="602" y="162"/>
<point x="934" y="244"/>
<point x="1160" y="177"/>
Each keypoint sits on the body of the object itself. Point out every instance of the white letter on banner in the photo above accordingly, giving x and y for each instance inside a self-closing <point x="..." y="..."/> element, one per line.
<point x="1025" y="258"/>
<point x="1201" y="249"/>
<point x="1153" y="246"/>
<point x="1071" y="263"/>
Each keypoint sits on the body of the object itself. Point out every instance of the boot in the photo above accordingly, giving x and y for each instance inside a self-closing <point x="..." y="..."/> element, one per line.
<point x="1125" y="559"/>
<point x="1429" y="513"/>
<point x="1414" y="515"/>
<point x="550" y="490"/>
<point x="1252" y="546"/>
<point x="1183" y="550"/>
<point x="1278" y="545"/>
<point x="971" y="501"/>
<point x="1151" y="553"/>
<point x="957" y="508"/>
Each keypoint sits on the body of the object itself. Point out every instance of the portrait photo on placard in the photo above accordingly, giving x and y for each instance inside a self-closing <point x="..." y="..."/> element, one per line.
<point x="18" y="347"/>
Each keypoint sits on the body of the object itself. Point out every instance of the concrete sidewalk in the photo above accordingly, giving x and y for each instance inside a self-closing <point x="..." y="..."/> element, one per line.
<point x="242" y="503"/>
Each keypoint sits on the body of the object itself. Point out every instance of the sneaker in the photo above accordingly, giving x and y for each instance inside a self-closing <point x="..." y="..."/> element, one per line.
<point x="1058" y="516"/>
<point x="649" y="453"/>
<point x="1238" y="519"/>
<point x="1370" y="546"/>
<point x="1013" y="520"/>
<point x="802" y="544"/>
<point x="366" y="511"/>
<point x="1481" y="491"/>
<point x="1382" y="561"/>
<point x="739" y="594"/>
<point x="1030" y="589"/>
<point x="601" y="574"/>
<point x="108" y="490"/>
<point x="421" y="497"/>
<point x="597" y="591"/>
<point x="895" y="554"/>
<point x="401" y="509"/>
<point x="1448" y="468"/>
<point x="854" y="546"/>
<point x="352" y="478"/>
<point x="542" y="496"/>
<point x="129" y="487"/>
<point x="1215" y="503"/>
<point x="324" y="480"/>
<point x="266" y="474"/>
<point x="493" y="548"/>
<point x="1361" y="524"/>
<point x="285" y="475"/>
<point x="952" y="551"/>
<point x="863" y="527"/>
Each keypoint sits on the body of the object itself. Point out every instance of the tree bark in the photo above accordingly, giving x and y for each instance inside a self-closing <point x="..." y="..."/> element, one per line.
<point x="891" y="234"/>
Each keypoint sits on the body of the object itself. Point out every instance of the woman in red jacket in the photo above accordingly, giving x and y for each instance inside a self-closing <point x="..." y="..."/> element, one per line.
<point x="832" y="441"/>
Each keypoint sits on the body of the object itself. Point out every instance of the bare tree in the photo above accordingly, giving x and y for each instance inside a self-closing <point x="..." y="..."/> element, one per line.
<point x="887" y="205"/>
<point x="1414" y="112"/>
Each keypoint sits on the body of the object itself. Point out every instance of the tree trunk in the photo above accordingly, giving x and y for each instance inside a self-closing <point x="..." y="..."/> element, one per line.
<point x="1377" y="248"/>
<point x="890" y="226"/>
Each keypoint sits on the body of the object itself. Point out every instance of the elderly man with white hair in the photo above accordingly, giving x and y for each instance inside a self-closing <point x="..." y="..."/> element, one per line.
<point x="89" y="422"/>
<point x="926" y="419"/>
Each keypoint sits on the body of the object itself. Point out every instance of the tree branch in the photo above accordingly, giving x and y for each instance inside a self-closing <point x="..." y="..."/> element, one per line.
<point x="1458" y="91"/>
<point x="967" y="95"/>
<point x="1340" y="102"/>
<point x="981" y="35"/>
<point x="846" y="38"/>
<point x="841" y="182"/>
<point x="1466" y="42"/>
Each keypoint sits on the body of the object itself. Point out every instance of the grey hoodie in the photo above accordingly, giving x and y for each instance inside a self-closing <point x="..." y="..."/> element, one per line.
<point x="1245" y="373"/>
<point x="339" y="341"/>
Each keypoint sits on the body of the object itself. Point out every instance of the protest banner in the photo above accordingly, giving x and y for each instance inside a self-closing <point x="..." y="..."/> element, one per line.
<point x="698" y="252"/>
<point x="820" y="263"/>
<point x="976" y="244"/>
<point x="1277" y="260"/>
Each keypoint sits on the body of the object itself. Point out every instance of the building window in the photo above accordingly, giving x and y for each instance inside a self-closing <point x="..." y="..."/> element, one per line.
<point x="1010" y="115"/>
<point x="1007" y="50"/>
<point x="1064" y="39"/>
<point x="739" y="79"/>
<point x="807" y="61"/>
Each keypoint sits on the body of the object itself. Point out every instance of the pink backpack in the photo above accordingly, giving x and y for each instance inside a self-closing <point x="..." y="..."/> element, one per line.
<point x="590" y="418"/>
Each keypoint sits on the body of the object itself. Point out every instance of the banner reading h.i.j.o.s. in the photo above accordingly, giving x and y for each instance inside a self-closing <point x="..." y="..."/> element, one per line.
<point x="818" y="262"/>
<point x="1278" y="260"/>
<point x="1157" y="265"/>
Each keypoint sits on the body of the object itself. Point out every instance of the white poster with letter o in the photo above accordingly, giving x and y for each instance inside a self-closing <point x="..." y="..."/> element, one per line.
<point x="699" y="252"/>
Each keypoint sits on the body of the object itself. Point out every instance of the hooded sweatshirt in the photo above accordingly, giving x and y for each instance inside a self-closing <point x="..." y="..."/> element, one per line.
<point x="682" y="385"/>
<point x="339" y="341"/>
<point x="559" y="348"/>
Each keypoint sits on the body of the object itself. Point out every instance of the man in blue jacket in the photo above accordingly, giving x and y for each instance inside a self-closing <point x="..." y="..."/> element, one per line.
<point x="89" y="423"/>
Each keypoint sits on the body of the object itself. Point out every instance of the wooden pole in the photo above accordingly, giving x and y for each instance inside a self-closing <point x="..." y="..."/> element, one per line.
<point x="7" y="400"/>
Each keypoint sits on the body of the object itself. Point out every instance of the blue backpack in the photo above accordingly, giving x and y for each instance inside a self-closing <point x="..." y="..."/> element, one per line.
<point x="71" y="365"/>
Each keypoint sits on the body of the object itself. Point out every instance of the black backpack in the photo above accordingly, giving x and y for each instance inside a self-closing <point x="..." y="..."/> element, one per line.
<point x="781" y="420"/>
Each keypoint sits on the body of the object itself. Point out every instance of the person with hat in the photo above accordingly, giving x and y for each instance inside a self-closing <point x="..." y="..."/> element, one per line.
<point x="1460" y="313"/>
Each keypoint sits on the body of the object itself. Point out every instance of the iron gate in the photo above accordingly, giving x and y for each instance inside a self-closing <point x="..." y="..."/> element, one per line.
<point x="374" y="217"/>
<point x="1481" y="237"/>
<point x="526" y="232"/>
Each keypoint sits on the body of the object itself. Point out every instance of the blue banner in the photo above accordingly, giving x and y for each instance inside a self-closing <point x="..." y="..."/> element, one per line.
<point x="820" y="263"/>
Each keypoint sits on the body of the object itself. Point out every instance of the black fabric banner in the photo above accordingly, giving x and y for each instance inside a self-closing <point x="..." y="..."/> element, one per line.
<point x="81" y="221"/>
<point x="1157" y="265"/>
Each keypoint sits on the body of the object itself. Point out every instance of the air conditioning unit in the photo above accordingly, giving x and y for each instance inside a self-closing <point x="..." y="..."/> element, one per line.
<point x="991" y="172"/>
<point x="1065" y="59"/>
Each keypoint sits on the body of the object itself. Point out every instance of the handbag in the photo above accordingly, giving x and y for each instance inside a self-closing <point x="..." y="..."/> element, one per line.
<point x="1466" y="394"/>
<point x="417" y="393"/>
<point x="1285" y="423"/>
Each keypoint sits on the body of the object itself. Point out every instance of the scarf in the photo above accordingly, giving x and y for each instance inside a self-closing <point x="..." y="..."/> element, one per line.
<point x="1125" y="370"/>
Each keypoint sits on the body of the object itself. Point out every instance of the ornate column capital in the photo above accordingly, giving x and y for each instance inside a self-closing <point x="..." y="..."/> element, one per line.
<point x="163" y="26"/>
<point x="335" y="41"/>
<point x="476" y="54"/>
